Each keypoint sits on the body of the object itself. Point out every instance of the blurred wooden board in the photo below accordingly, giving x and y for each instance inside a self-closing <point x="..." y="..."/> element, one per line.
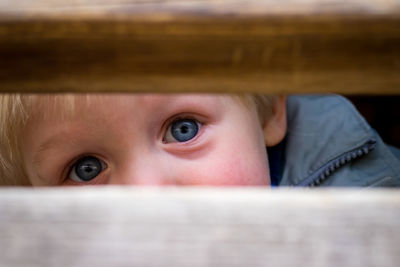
<point x="252" y="46"/>
<point x="122" y="226"/>
<point x="153" y="8"/>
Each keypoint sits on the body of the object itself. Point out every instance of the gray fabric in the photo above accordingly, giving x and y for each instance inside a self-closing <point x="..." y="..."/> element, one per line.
<point x="320" y="129"/>
<point x="395" y="151"/>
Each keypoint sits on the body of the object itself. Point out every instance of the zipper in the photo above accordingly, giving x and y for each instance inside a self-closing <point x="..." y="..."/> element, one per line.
<point x="335" y="164"/>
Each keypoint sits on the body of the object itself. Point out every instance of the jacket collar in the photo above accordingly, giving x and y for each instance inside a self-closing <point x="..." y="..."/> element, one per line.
<point x="320" y="129"/>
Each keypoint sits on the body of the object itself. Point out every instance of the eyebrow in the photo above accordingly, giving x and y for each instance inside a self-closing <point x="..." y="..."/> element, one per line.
<point x="53" y="142"/>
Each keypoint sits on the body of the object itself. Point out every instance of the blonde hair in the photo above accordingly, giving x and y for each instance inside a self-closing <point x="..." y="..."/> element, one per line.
<point x="12" y="119"/>
<point x="15" y="111"/>
<point x="264" y="105"/>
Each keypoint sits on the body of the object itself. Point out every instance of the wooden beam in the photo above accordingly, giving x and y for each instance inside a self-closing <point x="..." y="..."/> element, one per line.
<point x="122" y="226"/>
<point x="200" y="46"/>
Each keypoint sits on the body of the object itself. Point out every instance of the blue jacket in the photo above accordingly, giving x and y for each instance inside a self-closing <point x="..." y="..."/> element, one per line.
<point x="328" y="143"/>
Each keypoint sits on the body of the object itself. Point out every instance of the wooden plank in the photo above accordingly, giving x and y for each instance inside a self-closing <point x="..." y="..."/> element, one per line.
<point x="79" y="8"/>
<point x="200" y="46"/>
<point x="125" y="226"/>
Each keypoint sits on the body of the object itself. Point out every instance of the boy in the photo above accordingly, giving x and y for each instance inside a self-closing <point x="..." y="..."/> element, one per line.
<point x="190" y="140"/>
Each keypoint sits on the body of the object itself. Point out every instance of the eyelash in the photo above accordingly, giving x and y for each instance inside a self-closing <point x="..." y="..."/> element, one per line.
<point x="182" y="116"/>
<point x="70" y="167"/>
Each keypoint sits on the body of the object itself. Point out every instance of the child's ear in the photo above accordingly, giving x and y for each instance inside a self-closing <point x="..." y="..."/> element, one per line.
<point x="275" y="128"/>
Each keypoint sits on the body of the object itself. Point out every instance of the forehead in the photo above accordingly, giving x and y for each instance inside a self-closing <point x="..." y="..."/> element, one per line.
<point x="66" y="106"/>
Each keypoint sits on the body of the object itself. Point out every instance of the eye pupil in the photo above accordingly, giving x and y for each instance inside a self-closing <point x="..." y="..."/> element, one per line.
<point x="88" y="168"/>
<point x="184" y="130"/>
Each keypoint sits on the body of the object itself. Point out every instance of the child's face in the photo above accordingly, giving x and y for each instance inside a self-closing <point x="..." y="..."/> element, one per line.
<point x="147" y="140"/>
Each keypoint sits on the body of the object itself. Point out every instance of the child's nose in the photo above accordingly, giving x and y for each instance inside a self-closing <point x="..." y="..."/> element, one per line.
<point x="143" y="173"/>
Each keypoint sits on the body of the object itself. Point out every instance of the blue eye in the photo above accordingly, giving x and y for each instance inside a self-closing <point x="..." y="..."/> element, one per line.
<point x="182" y="130"/>
<point x="86" y="169"/>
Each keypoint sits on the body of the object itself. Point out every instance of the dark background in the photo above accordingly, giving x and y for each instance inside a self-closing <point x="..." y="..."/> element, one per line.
<point x="383" y="114"/>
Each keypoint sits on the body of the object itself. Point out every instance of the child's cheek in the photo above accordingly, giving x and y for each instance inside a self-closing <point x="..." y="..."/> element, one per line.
<point x="240" y="166"/>
<point x="239" y="171"/>
<point x="234" y="171"/>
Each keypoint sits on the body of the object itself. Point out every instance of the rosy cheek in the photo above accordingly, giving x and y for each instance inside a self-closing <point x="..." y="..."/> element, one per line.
<point x="242" y="173"/>
<point x="232" y="172"/>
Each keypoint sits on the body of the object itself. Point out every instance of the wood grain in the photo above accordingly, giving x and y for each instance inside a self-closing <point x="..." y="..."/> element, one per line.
<point x="200" y="46"/>
<point x="120" y="226"/>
